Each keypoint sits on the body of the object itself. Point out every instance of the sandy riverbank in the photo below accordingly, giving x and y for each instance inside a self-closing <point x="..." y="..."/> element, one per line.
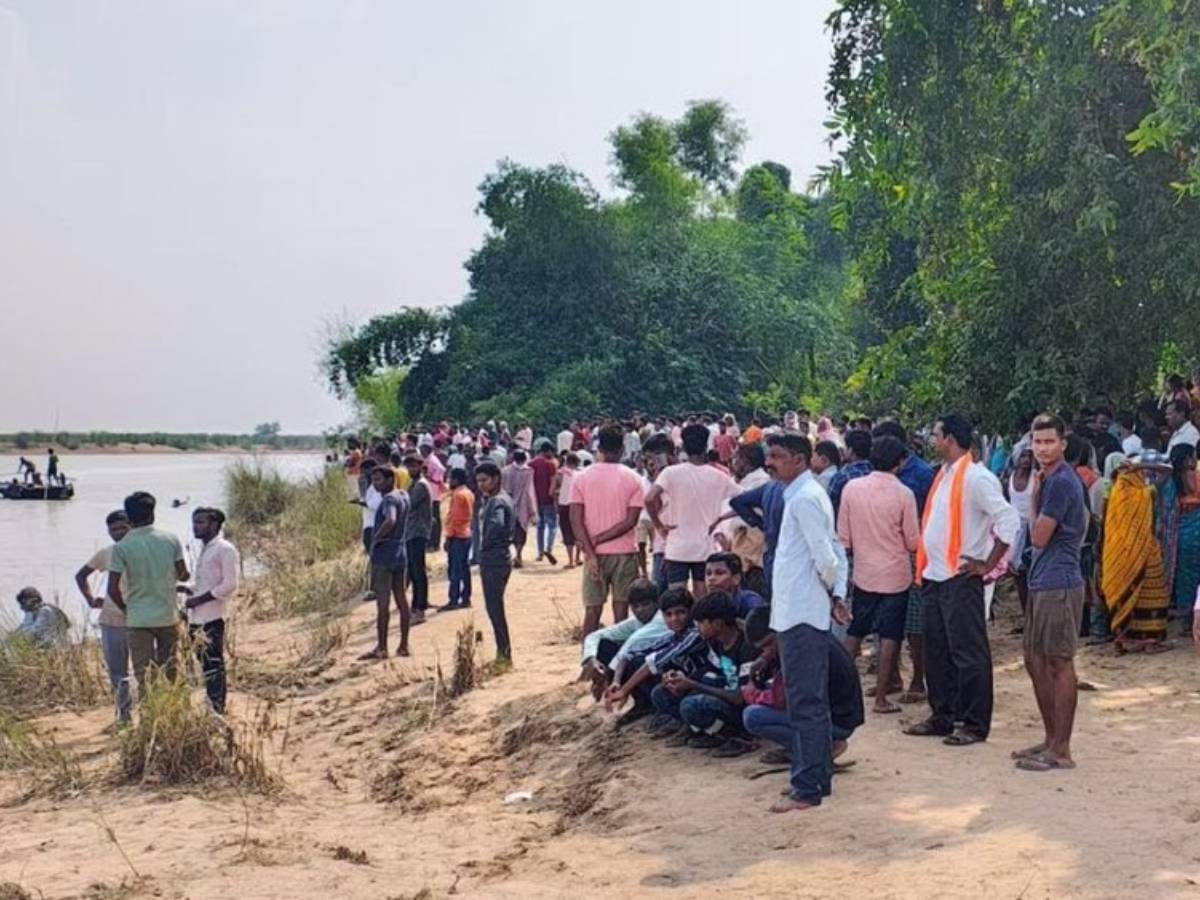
<point x="615" y="815"/>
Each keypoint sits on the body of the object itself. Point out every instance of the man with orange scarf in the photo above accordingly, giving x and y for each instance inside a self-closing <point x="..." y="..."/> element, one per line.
<point x="967" y="528"/>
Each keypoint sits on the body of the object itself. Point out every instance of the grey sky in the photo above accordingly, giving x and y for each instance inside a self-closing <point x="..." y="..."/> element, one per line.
<point x="189" y="190"/>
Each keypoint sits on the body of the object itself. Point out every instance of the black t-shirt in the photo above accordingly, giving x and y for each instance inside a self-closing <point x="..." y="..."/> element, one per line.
<point x="732" y="663"/>
<point x="845" y="688"/>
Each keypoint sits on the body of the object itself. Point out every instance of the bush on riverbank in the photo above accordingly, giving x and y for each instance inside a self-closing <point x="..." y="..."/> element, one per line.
<point x="300" y="535"/>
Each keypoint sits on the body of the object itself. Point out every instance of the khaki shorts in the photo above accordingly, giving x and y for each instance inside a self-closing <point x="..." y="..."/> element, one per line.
<point x="1052" y="622"/>
<point x="617" y="571"/>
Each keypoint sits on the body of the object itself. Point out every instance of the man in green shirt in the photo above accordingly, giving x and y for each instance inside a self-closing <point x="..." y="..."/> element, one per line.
<point x="151" y="561"/>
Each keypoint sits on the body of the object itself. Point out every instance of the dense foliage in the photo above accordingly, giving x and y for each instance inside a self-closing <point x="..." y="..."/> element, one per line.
<point x="690" y="291"/>
<point x="1008" y="225"/>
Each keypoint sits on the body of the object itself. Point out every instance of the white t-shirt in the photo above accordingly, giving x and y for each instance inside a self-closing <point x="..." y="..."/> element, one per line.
<point x="372" y="499"/>
<point x="1185" y="434"/>
<point x="110" y="613"/>
<point x="696" y="497"/>
<point x="1131" y="445"/>
<point x="565" y="440"/>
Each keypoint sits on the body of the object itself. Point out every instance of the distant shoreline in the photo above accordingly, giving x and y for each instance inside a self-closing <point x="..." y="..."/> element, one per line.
<point x="153" y="449"/>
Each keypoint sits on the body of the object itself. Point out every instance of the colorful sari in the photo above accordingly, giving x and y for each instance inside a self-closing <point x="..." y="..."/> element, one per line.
<point x="1134" y="581"/>
<point x="1180" y="535"/>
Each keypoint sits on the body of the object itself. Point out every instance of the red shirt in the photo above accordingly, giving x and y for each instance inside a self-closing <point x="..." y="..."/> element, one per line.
<point x="544" y="469"/>
<point x="725" y="445"/>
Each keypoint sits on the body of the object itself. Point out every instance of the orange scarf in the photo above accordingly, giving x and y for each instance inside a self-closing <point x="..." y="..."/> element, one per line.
<point x="954" y="549"/>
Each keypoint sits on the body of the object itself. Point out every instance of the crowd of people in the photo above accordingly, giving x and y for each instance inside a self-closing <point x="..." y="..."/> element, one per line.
<point x="746" y="568"/>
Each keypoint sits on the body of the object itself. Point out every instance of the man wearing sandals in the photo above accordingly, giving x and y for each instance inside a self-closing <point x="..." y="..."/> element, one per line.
<point x="968" y="527"/>
<point x="1056" y="592"/>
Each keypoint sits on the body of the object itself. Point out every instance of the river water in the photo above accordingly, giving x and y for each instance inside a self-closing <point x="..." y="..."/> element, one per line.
<point x="44" y="543"/>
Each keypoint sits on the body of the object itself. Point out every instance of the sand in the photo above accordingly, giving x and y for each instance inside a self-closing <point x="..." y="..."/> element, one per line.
<point x="388" y="796"/>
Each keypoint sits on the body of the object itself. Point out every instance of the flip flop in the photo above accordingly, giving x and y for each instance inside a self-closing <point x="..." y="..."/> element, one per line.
<point x="1043" y="763"/>
<point x="924" y="729"/>
<point x="961" y="738"/>
<point x="887" y="710"/>
<point x="843" y="766"/>
<point x="1027" y="753"/>
<point x="776" y="757"/>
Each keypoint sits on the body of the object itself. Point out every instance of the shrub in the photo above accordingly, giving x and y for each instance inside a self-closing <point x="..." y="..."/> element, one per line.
<point x="179" y="741"/>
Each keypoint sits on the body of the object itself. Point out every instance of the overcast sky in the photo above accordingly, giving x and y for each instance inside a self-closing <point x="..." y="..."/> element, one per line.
<point x="189" y="191"/>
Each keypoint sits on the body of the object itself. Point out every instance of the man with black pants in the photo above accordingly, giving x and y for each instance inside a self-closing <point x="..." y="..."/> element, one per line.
<point x="495" y="527"/>
<point x="965" y="507"/>
<point x="809" y="584"/>
<point x="417" y="530"/>
<point x="217" y="570"/>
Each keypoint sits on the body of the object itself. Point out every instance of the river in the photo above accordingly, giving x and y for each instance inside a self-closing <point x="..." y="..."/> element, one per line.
<point x="44" y="543"/>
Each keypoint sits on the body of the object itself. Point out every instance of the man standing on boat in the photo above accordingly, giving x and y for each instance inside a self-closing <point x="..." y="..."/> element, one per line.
<point x="52" y="475"/>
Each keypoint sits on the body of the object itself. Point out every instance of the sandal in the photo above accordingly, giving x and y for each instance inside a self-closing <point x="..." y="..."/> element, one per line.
<point x="776" y="757"/>
<point x="926" y="729"/>
<point x="705" y="742"/>
<point x="912" y="697"/>
<point x="1043" y="763"/>
<point x="961" y="738"/>
<point x="887" y="710"/>
<point x="734" y="747"/>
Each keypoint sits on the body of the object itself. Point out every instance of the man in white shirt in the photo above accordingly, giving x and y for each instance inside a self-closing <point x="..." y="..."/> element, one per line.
<point x="963" y="511"/>
<point x="808" y="585"/>
<point x="1182" y="430"/>
<point x="217" y="570"/>
<point x="1131" y="444"/>
<point x="566" y="439"/>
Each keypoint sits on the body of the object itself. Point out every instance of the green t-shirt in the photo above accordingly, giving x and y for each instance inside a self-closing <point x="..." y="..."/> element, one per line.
<point x="146" y="557"/>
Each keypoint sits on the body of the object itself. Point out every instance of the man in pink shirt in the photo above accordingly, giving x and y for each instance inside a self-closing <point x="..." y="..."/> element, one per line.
<point x="685" y="500"/>
<point x="877" y="524"/>
<point x="606" y="500"/>
<point x="435" y="475"/>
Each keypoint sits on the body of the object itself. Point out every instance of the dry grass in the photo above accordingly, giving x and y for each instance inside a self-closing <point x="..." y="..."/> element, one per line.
<point x="342" y="853"/>
<point x="10" y="890"/>
<point x="178" y="741"/>
<point x="41" y="767"/>
<point x="569" y="629"/>
<point x="36" y="679"/>
<point x="324" y="637"/>
<point x="290" y="588"/>
<point x="466" y="674"/>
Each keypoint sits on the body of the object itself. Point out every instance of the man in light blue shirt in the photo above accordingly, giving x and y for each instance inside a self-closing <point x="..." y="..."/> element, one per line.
<point x="607" y="651"/>
<point x="807" y="586"/>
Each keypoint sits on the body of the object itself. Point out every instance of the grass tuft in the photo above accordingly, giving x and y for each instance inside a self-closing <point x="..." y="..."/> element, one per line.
<point x="35" y="678"/>
<point x="179" y="741"/>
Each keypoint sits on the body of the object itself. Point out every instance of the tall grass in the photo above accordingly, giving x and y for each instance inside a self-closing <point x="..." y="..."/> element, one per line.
<point x="179" y="740"/>
<point x="34" y="679"/>
<point x="300" y="535"/>
<point x="41" y="767"/>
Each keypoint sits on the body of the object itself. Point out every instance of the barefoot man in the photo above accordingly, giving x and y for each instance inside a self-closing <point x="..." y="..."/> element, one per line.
<point x="1056" y="594"/>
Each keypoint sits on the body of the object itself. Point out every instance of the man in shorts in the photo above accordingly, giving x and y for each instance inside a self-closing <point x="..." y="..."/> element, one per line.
<point x="877" y="524"/>
<point x="1056" y="594"/>
<point x="606" y="500"/>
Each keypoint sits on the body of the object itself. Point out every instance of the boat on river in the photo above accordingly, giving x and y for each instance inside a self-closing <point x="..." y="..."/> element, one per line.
<point x="14" y="490"/>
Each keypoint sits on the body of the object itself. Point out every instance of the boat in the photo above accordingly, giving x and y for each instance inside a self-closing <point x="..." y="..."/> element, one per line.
<point x="14" y="490"/>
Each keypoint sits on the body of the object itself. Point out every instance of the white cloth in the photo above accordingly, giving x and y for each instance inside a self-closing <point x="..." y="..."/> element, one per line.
<point x="984" y="509"/>
<point x="808" y="568"/>
<point x="1131" y="445"/>
<point x="372" y="498"/>
<point x="1184" y="434"/>
<point x="217" y="571"/>
<point x="1022" y="502"/>
<point x="565" y="440"/>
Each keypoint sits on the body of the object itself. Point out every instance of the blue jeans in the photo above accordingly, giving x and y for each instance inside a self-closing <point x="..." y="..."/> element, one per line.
<point x="700" y="712"/>
<point x="772" y="724"/>
<point x="458" y="553"/>
<point x="804" y="653"/>
<point x="547" y="527"/>
<point x="658" y="571"/>
<point x="116" y="658"/>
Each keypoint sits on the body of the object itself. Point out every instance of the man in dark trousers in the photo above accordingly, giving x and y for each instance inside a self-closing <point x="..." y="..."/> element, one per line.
<point x="495" y="528"/>
<point x="965" y="508"/>
<point x="418" y="528"/>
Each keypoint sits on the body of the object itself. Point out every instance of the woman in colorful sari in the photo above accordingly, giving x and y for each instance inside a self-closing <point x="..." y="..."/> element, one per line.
<point x="1180" y="530"/>
<point x="1134" y="581"/>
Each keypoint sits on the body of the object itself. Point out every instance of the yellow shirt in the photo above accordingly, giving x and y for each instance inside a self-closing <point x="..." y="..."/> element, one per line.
<point x="403" y="479"/>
